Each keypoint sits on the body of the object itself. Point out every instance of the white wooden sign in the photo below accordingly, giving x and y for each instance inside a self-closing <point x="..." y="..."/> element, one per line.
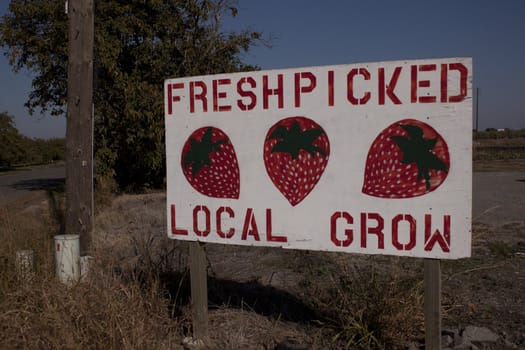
<point x="370" y="158"/>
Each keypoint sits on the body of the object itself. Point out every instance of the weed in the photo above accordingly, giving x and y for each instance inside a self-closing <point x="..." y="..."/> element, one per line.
<point x="370" y="309"/>
<point x="501" y="249"/>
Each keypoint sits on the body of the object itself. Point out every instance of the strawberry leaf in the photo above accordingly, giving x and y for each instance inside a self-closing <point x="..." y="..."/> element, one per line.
<point x="199" y="154"/>
<point x="418" y="150"/>
<point x="293" y="140"/>
<point x="280" y="132"/>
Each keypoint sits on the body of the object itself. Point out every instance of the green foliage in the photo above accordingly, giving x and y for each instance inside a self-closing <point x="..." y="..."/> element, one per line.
<point x="35" y="35"/>
<point x="18" y="149"/>
<point x="12" y="150"/>
<point x="138" y="44"/>
<point x="49" y="151"/>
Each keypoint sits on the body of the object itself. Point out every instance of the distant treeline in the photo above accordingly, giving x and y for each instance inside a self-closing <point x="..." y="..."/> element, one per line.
<point x="492" y="133"/>
<point x="493" y="144"/>
<point x="17" y="149"/>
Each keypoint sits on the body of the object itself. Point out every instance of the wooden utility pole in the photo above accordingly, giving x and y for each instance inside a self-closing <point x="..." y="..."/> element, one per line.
<point x="79" y="129"/>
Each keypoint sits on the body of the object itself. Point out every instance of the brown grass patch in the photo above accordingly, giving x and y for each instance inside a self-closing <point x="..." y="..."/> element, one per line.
<point x="136" y="296"/>
<point x="108" y="310"/>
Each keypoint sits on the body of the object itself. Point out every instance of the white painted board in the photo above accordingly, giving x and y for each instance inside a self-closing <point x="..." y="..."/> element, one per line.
<point x="371" y="158"/>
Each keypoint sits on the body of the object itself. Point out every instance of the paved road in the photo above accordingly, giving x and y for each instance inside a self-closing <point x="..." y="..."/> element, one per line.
<point x="16" y="184"/>
<point x="498" y="197"/>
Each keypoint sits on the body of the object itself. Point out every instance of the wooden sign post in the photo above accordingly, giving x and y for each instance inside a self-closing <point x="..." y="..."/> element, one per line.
<point x="199" y="291"/>
<point x="432" y="290"/>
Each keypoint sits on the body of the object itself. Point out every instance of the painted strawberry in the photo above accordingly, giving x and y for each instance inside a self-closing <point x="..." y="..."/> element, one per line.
<point x="210" y="164"/>
<point x="296" y="152"/>
<point x="407" y="159"/>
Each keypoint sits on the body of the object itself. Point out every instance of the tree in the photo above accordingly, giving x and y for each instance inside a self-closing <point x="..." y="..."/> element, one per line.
<point x="12" y="150"/>
<point x="138" y="44"/>
<point x="17" y="149"/>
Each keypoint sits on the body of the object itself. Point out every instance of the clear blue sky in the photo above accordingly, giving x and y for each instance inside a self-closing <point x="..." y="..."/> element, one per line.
<point x="315" y="32"/>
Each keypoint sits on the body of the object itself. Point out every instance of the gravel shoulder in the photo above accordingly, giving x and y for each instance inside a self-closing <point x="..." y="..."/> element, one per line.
<point x="498" y="197"/>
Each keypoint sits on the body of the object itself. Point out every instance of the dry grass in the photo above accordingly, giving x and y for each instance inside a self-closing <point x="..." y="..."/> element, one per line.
<point x="499" y="149"/>
<point x="367" y="305"/>
<point x="246" y="329"/>
<point x="108" y="310"/>
<point x="136" y="295"/>
<point x="101" y="314"/>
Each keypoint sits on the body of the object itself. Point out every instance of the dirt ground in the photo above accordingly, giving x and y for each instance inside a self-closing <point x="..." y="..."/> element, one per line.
<point x="262" y="298"/>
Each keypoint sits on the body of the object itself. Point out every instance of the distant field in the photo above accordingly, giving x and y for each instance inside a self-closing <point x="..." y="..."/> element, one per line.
<point x="499" y="149"/>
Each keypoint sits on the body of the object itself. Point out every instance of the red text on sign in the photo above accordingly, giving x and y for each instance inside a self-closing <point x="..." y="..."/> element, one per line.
<point x="255" y="228"/>
<point x="402" y="229"/>
<point x="423" y="84"/>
